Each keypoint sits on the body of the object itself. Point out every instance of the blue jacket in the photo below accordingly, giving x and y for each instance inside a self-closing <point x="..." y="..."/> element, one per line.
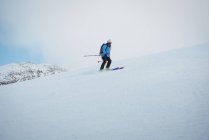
<point x="105" y="50"/>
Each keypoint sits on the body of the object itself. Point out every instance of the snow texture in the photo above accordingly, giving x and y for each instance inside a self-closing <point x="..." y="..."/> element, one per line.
<point x="163" y="96"/>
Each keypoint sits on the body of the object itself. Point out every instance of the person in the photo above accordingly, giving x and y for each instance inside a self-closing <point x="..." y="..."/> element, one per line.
<point x="105" y="54"/>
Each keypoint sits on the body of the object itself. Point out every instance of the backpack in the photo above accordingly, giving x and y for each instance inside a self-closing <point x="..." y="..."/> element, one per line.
<point x="101" y="52"/>
<point x="101" y="49"/>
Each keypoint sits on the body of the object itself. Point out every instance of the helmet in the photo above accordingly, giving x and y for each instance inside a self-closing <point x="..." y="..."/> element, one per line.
<point x="109" y="41"/>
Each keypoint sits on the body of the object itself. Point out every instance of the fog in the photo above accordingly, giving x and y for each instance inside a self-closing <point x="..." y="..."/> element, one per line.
<point x="65" y="30"/>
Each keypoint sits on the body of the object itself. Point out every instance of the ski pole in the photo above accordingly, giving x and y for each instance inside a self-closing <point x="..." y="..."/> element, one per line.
<point x="90" y="55"/>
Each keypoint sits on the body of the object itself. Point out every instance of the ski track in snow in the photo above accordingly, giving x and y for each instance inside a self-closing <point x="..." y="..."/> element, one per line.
<point x="157" y="97"/>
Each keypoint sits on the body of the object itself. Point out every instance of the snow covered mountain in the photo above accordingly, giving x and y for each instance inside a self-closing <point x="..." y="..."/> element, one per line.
<point x="25" y="71"/>
<point x="162" y="96"/>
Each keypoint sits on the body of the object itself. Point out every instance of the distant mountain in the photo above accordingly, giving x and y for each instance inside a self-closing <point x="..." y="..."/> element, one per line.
<point x="19" y="72"/>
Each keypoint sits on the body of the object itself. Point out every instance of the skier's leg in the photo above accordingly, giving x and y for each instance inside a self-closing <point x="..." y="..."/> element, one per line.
<point x="109" y="62"/>
<point x="103" y="63"/>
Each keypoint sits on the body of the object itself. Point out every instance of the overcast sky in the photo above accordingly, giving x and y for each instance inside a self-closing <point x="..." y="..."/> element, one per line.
<point x="62" y="31"/>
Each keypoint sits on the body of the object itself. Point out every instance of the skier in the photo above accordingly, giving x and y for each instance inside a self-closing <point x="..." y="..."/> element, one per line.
<point x="105" y="54"/>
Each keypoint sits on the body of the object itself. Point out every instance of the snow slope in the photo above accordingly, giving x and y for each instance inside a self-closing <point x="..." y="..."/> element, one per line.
<point x="158" y="97"/>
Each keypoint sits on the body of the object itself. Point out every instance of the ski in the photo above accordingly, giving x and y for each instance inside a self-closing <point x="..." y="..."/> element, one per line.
<point x="118" y="68"/>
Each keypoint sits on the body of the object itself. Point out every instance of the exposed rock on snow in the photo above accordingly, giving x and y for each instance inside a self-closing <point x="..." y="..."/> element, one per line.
<point x="12" y="73"/>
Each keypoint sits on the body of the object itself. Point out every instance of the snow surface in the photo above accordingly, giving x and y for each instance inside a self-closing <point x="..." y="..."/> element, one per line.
<point x="163" y="96"/>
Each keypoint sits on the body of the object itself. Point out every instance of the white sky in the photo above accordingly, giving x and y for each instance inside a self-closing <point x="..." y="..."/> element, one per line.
<point x="65" y="30"/>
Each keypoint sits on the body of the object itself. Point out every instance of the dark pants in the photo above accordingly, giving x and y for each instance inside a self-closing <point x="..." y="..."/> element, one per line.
<point x="105" y="59"/>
